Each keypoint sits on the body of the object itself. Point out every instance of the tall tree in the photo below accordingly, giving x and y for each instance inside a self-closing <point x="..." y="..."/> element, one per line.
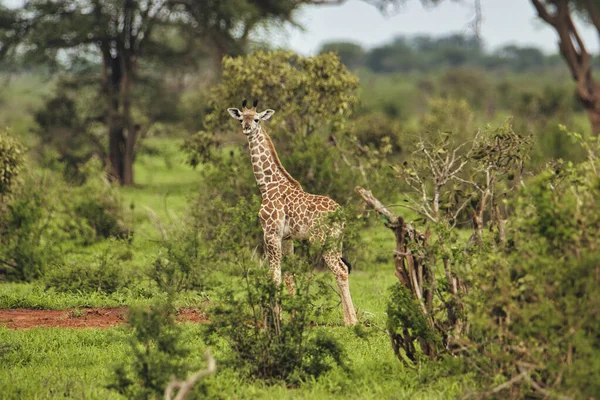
<point x="115" y="32"/>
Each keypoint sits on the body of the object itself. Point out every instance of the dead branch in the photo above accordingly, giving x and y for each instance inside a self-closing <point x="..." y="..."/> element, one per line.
<point x="185" y="386"/>
<point x="378" y="206"/>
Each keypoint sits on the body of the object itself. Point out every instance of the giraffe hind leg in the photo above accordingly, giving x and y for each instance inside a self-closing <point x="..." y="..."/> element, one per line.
<point x="287" y="248"/>
<point x="335" y="264"/>
<point x="347" y="264"/>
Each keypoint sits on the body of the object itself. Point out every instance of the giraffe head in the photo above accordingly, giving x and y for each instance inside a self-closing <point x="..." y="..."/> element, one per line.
<point x="249" y="117"/>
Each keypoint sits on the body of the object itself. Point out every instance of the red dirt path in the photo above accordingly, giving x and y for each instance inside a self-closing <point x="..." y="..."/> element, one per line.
<point x="79" y="317"/>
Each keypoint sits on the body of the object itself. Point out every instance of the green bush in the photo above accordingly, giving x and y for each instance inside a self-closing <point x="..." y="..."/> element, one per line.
<point x="29" y="235"/>
<point x="106" y="274"/>
<point x="45" y="217"/>
<point x="535" y="314"/>
<point x="158" y="352"/>
<point x="93" y="210"/>
<point x="268" y="345"/>
<point x="11" y="163"/>
<point x="182" y="262"/>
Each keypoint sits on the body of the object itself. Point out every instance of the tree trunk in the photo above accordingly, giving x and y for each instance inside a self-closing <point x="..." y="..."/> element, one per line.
<point x="594" y="117"/>
<point x="111" y="77"/>
<point x="574" y="52"/>
<point x="122" y="134"/>
<point x="130" y="137"/>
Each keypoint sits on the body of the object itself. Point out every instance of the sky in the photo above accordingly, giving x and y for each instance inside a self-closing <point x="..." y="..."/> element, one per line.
<point x="504" y="21"/>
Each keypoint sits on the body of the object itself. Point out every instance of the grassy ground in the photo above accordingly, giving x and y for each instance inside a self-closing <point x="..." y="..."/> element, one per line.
<point x="58" y="363"/>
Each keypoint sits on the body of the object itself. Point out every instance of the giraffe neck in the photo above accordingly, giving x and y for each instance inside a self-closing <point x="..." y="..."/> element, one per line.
<point x="266" y="165"/>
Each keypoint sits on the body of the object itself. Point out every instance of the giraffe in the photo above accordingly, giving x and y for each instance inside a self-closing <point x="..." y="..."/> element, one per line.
<point x="288" y="212"/>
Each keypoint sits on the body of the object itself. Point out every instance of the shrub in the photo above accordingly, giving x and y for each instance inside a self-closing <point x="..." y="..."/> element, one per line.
<point x="45" y="217"/>
<point x="97" y="204"/>
<point x="448" y="182"/>
<point x="11" y="163"/>
<point x="181" y="264"/>
<point x="105" y="275"/>
<point x="312" y="97"/>
<point x="158" y="352"/>
<point x="29" y="236"/>
<point x="535" y="330"/>
<point x="265" y="345"/>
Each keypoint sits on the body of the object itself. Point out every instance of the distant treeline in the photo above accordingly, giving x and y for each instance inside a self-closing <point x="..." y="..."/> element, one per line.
<point x="425" y="53"/>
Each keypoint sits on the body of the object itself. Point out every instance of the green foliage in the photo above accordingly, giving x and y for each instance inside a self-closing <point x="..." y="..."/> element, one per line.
<point x="379" y="132"/>
<point x="465" y="83"/>
<point x="350" y="54"/>
<point x="28" y="236"/>
<point x="264" y="343"/>
<point x="158" y="352"/>
<point x="182" y="262"/>
<point x="45" y="217"/>
<point x="11" y="163"/>
<point x="312" y="97"/>
<point x="107" y="274"/>
<point x="96" y="205"/>
<point x="450" y="180"/>
<point x="449" y="116"/>
<point x="537" y="307"/>
<point x="405" y="318"/>
<point x="305" y="92"/>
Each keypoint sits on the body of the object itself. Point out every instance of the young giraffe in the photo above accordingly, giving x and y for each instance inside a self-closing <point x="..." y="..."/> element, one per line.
<point x="287" y="212"/>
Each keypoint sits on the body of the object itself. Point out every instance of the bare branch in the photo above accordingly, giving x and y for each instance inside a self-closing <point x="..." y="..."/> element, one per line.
<point x="378" y="206"/>
<point x="185" y="386"/>
<point x="543" y="12"/>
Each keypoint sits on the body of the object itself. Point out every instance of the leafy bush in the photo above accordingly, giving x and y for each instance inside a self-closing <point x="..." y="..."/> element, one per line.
<point x="11" y="163"/>
<point x="265" y="345"/>
<point x="97" y="204"/>
<point x="377" y="131"/>
<point x="182" y="263"/>
<point x="536" y="310"/>
<point x="46" y="216"/>
<point x="105" y="275"/>
<point x="158" y="352"/>
<point x="29" y="235"/>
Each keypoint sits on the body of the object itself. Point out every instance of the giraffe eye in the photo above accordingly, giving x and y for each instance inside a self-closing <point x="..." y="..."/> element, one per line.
<point x="255" y="119"/>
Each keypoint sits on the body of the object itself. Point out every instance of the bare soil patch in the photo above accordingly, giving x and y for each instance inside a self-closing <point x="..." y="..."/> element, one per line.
<point x="79" y="318"/>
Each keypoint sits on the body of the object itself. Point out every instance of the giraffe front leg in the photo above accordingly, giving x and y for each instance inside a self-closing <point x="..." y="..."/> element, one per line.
<point x="273" y="249"/>
<point x="287" y="248"/>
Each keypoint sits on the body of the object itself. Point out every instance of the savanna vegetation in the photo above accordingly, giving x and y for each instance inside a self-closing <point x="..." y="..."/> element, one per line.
<point x="468" y="179"/>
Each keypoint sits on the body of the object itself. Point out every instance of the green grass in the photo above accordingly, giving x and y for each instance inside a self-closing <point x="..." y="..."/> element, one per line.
<point x="46" y="363"/>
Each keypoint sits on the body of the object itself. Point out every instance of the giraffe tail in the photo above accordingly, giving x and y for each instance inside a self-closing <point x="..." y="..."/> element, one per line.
<point x="347" y="264"/>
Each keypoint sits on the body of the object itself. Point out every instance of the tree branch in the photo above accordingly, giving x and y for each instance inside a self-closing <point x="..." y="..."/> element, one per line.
<point x="185" y="386"/>
<point x="543" y="12"/>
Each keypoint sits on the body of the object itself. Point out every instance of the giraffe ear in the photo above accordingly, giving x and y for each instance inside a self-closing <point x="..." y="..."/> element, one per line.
<point x="265" y="115"/>
<point x="235" y="113"/>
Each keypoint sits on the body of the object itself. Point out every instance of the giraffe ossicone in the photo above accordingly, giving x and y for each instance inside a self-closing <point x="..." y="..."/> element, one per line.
<point x="288" y="212"/>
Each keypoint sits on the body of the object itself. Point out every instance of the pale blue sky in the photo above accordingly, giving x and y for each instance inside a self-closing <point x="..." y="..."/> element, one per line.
<point x="504" y="21"/>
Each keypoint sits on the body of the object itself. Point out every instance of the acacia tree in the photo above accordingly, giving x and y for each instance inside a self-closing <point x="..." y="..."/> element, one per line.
<point x="114" y="33"/>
